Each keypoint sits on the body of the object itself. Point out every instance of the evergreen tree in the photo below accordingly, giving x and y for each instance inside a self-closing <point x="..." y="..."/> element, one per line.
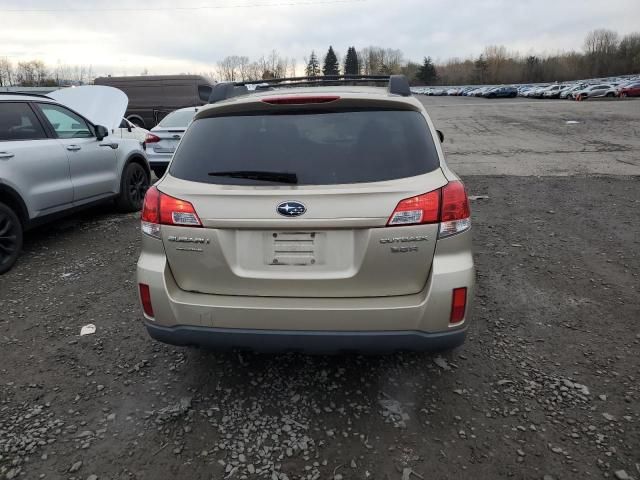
<point x="351" y="63"/>
<point x="427" y="72"/>
<point x="313" y="67"/>
<point x="481" y="66"/>
<point x="331" y="66"/>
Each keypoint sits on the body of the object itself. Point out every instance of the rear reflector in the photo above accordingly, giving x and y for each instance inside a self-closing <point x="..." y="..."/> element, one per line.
<point x="417" y="210"/>
<point x="458" y="305"/>
<point x="145" y="298"/>
<point x="161" y="209"/>
<point x="300" y="100"/>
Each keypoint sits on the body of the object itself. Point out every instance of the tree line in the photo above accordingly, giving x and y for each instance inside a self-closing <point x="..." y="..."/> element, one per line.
<point x="604" y="54"/>
<point x="35" y="73"/>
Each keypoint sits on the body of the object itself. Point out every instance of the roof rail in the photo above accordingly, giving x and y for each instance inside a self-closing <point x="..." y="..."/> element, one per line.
<point x="26" y="94"/>
<point x="396" y="84"/>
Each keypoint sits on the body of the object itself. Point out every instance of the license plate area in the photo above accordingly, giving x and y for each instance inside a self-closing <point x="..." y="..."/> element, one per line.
<point x="294" y="248"/>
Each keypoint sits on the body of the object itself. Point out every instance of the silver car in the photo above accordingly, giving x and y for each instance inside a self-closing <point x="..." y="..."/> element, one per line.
<point x="595" y="91"/>
<point x="319" y="219"/>
<point x="54" y="160"/>
<point x="162" y="140"/>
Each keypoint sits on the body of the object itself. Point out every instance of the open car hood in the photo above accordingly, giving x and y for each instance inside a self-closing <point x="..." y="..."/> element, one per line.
<point x="102" y="105"/>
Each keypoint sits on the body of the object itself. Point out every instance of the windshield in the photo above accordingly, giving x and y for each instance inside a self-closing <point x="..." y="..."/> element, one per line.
<point x="179" y="118"/>
<point x="318" y="148"/>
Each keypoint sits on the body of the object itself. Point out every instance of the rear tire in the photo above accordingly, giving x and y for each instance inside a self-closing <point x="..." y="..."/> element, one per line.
<point x="137" y="121"/>
<point x="610" y="94"/>
<point x="10" y="238"/>
<point x="133" y="186"/>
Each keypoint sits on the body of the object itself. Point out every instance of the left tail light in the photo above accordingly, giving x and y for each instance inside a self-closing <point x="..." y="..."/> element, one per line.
<point x="162" y="209"/>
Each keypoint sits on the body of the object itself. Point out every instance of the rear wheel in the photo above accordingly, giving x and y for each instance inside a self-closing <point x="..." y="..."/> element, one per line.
<point x="133" y="186"/>
<point x="610" y="94"/>
<point x="137" y="121"/>
<point x="10" y="238"/>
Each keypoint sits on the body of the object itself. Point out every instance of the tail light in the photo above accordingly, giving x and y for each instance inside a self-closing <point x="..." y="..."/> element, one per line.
<point x="151" y="138"/>
<point x="145" y="299"/>
<point x="162" y="209"/>
<point x="455" y="213"/>
<point x="458" y="305"/>
<point x="417" y="210"/>
<point x="448" y="206"/>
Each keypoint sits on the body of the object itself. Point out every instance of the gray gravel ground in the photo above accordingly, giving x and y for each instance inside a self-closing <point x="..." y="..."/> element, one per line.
<point x="546" y="386"/>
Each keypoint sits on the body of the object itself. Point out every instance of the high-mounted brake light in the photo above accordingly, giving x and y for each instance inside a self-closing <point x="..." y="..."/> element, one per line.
<point x="151" y="138"/>
<point x="298" y="100"/>
<point x="458" y="305"/>
<point x="161" y="209"/>
<point x="448" y="206"/>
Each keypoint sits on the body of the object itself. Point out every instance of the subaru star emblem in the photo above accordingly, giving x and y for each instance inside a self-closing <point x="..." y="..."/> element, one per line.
<point x="291" y="209"/>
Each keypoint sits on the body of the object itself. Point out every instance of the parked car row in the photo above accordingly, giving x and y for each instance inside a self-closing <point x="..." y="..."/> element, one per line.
<point x="579" y="90"/>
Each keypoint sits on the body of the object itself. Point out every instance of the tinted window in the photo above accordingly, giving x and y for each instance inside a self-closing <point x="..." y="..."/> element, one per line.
<point x="18" y="122"/>
<point x="66" y="123"/>
<point x="319" y="148"/>
<point x="179" y="118"/>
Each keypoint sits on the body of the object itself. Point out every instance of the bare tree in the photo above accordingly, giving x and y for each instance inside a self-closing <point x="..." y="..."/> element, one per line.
<point x="6" y="72"/>
<point x="601" y="47"/>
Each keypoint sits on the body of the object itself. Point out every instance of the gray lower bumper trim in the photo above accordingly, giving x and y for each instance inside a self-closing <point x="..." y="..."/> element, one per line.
<point x="306" y="341"/>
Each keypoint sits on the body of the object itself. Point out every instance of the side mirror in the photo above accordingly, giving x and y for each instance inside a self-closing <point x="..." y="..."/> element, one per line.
<point x="101" y="132"/>
<point x="440" y="136"/>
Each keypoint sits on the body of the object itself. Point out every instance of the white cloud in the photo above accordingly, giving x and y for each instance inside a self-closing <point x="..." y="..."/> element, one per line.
<point x="173" y="41"/>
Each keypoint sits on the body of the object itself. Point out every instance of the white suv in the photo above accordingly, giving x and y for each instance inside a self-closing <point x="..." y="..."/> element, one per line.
<point x="54" y="160"/>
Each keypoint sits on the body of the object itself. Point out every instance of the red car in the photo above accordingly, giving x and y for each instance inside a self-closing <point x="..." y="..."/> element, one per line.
<point x="630" y="90"/>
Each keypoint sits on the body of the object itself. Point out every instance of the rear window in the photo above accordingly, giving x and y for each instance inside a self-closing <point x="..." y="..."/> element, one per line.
<point x="320" y="148"/>
<point x="179" y="118"/>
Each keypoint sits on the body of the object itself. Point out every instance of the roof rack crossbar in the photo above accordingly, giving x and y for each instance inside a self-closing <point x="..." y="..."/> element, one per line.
<point x="397" y="84"/>
<point x="316" y="78"/>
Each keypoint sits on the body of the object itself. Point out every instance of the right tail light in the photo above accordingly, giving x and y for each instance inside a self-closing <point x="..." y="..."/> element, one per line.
<point x="448" y="206"/>
<point x="455" y="215"/>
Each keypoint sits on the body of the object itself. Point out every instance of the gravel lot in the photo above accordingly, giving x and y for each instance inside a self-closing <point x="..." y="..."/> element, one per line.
<point x="547" y="385"/>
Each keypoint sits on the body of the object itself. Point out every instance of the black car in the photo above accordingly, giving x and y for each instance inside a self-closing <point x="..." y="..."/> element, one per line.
<point x="502" y="92"/>
<point x="152" y="97"/>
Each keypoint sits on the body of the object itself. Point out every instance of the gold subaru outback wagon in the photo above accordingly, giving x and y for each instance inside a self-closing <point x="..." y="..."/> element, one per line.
<point x="308" y="214"/>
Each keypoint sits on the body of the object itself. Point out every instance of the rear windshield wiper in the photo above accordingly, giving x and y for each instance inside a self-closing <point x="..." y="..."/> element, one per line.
<point x="279" y="177"/>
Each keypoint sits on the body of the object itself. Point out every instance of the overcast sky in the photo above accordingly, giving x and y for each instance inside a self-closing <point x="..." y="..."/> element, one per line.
<point x="124" y="37"/>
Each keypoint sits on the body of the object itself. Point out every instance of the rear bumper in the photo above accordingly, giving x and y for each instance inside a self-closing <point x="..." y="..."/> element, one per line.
<point x="158" y="159"/>
<point x="406" y="322"/>
<point x="319" y="342"/>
